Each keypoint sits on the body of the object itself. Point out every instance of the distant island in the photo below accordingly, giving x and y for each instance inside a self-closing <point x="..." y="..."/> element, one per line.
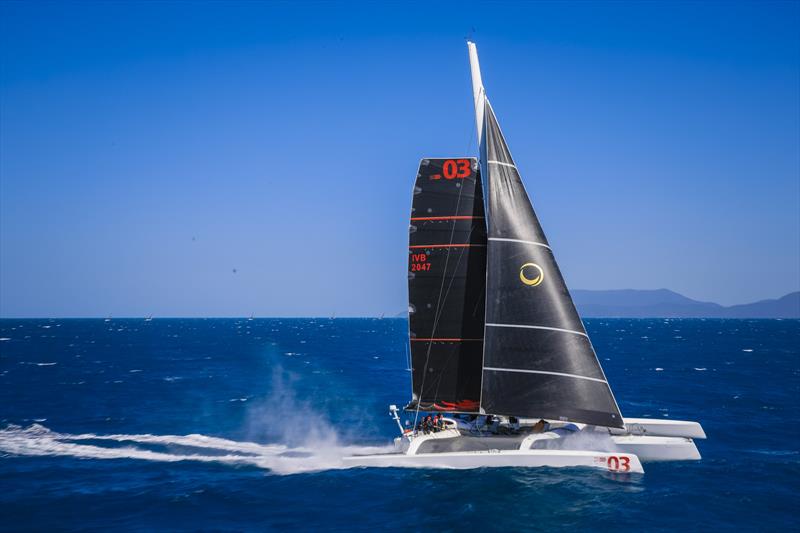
<point x="664" y="303"/>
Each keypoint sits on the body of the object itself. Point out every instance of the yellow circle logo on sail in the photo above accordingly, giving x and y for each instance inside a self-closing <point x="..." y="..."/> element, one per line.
<point x="531" y="282"/>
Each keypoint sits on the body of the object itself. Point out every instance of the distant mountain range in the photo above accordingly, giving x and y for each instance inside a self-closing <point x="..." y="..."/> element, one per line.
<point x="668" y="304"/>
<point x="664" y="303"/>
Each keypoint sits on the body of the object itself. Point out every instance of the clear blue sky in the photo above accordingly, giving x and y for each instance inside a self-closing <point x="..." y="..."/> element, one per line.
<point x="148" y="149"/>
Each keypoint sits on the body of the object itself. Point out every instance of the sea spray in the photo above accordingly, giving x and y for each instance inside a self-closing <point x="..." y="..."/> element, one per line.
<point x="589" y="441"/>
<point x="284" y="417"/>
<point x="37" y="440"/>
<point x="284" y="434"/>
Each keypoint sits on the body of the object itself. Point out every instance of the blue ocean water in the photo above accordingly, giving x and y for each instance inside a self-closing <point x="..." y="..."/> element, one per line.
<point x="224" y="424"/>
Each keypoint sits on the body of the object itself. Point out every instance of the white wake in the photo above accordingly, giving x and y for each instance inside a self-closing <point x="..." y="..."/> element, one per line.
<point x="37" y="440"/>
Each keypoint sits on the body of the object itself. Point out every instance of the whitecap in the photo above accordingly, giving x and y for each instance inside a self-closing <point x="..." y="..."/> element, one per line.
<point x="659" y="369"/>
<point x="747" y="349"/>
<point x="703" y="369"/>
<point x="46" y="364"/>
<point x="5" y="339"/>
<point x="776" y="452"/>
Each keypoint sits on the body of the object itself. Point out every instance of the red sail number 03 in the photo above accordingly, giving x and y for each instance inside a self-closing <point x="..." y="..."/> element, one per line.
<point x="456" y="168"/>
<point x="618" y="464"/>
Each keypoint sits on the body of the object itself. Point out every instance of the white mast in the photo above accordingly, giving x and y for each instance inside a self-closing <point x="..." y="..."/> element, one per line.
<point x="478" y="92"/>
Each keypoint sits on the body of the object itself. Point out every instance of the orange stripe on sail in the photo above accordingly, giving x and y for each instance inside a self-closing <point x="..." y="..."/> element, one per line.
<point x="447" y="218"/>
<point x="445" y="340"/>
<point x="467" y="245"/>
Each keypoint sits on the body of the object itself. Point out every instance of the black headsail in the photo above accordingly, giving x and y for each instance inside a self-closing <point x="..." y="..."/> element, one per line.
<point x="538" y="360"/>
<point x="447" y="285"/>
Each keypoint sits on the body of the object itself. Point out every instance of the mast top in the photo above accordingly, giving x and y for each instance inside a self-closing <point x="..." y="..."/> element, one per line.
<point x="478" y="92"/>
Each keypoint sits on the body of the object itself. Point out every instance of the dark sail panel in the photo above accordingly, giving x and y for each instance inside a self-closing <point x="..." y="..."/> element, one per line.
<point x="555" y="397"/>
<point x="538" y="360"/>
<point x="446" y="285"/>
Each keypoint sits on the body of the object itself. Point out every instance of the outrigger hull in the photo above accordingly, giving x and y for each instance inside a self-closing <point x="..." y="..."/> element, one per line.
<point x="658" y="448"/>
<point x="610" y="462"/>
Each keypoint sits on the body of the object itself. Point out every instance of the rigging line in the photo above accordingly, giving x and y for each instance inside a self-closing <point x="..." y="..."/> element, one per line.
<point x="441" y="375"/>
<point x="446" y="294"/>
<point x="437" y="314"/>
<point x="450" y="286"/>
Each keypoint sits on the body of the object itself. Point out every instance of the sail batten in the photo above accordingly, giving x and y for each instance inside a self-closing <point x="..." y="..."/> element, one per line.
<point x="545" y="372"/>
<point x="519" y="240"/>
<point x="528" y="326"/>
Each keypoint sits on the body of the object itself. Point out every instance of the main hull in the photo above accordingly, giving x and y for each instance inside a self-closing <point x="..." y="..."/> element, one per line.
<point x="610" y="462"/>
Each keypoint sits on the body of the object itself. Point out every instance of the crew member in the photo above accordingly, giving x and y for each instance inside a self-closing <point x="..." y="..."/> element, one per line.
<point x="428" y="425"/>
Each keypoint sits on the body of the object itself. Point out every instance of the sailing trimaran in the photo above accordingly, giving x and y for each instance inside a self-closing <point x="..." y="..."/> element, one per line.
<point x="496" y="342"/>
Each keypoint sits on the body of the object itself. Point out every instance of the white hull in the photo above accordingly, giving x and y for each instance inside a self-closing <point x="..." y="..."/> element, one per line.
<point x="611" y="462"/>
<point x="570" y="445"/>
<point x="660" y="428"/>
<point x="658" y="448"/>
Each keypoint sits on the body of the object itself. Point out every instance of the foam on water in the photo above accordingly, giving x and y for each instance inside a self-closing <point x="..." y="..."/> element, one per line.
<point x="292" y="448"/>
<point x="37" y="440"/>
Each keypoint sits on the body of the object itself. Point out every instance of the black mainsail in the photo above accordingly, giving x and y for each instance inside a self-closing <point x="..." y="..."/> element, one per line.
<point x="538" y="360"/>
<point x="447" y="285"/>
